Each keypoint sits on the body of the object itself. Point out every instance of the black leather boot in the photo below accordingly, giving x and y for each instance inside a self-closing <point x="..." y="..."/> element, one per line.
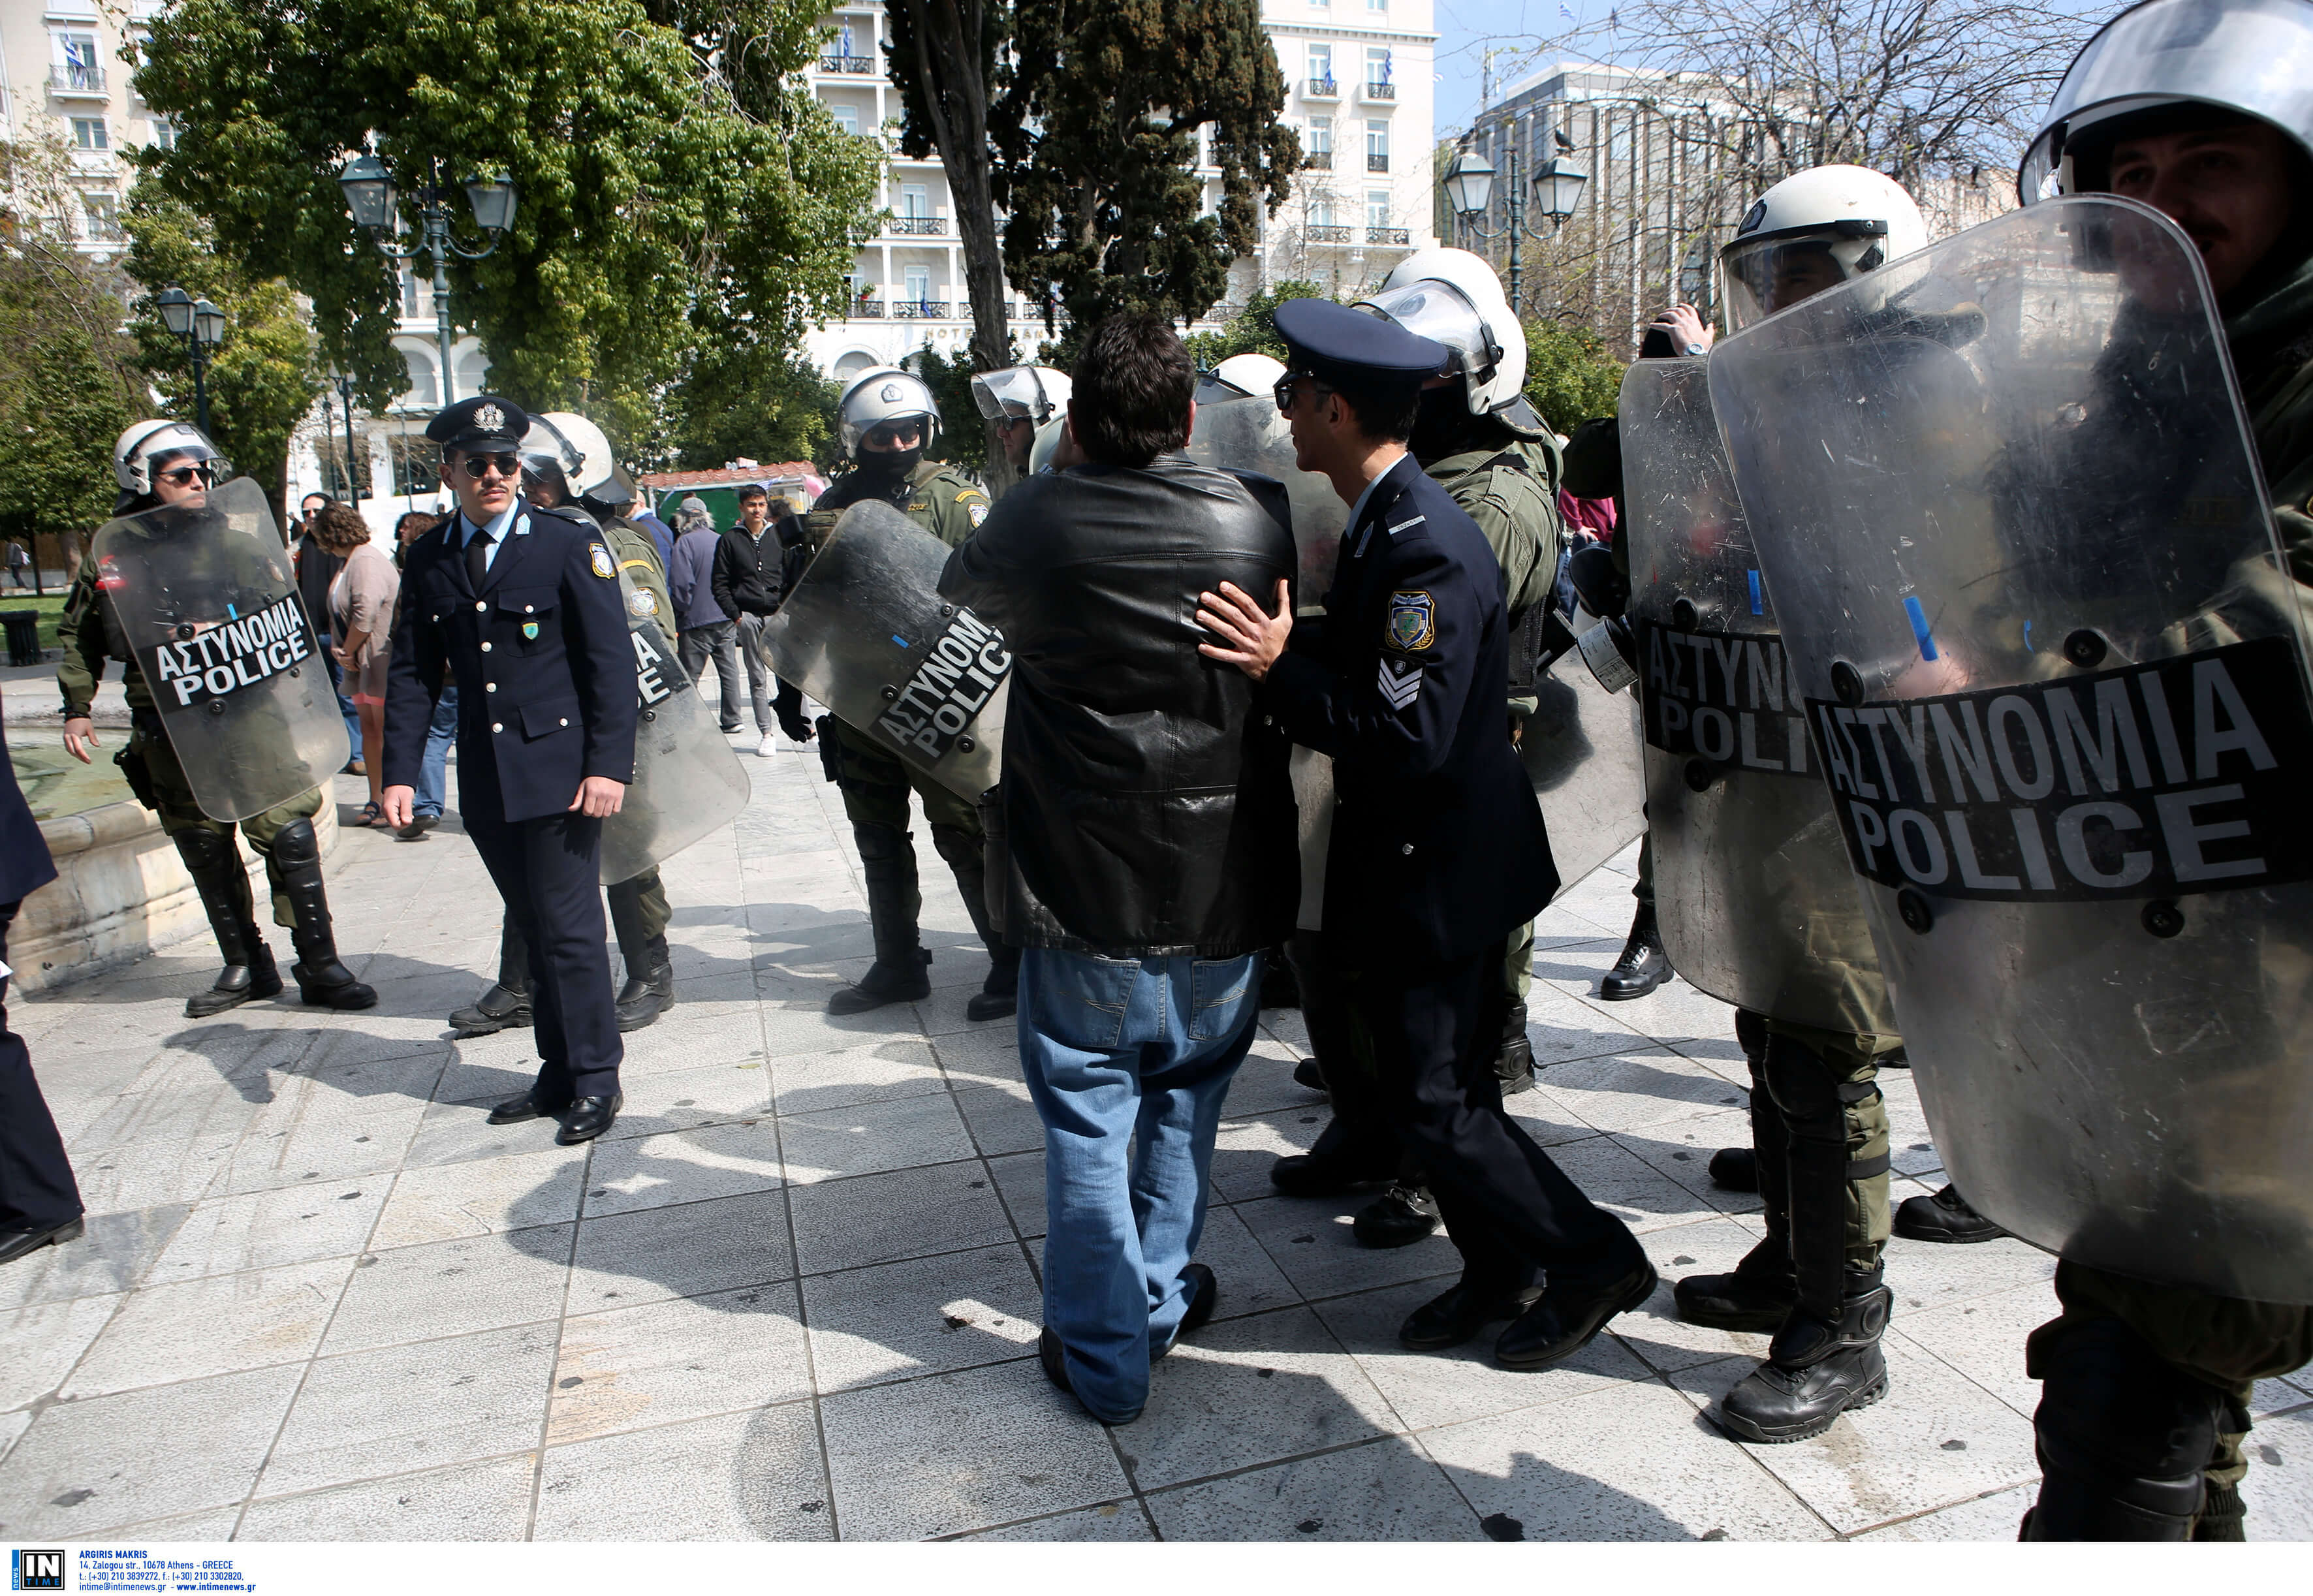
<point x="2123" y="1438"/>
<point x="889" y="864"/>
<point x="1758" y="1295"/>
<point x="507" y="1004"/>
<point x="322" y="981"/>
<point x="1398" y="1217"/>
<point x="1818" y="1368"/>
<point x="1943" y="1217"/>
<point x="1735" y="1168"/>
<point x="1643" y="966"/>
<point x="999" y="996"/>
<point x="214" y="865"/>
<point x="1514" y="1059"/>
<point x="649" y="991"/>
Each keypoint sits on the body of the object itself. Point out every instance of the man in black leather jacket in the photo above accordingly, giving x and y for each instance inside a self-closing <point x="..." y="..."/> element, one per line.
<point x="1149" y="818"/>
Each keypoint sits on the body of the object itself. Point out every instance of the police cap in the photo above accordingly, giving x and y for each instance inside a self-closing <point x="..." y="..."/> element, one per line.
<point x="480" y="424"/>
<point x="1345" y="348"/>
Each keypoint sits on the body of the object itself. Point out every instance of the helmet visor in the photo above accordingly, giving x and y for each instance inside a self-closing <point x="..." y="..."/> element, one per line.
<point x="1439" y="310"/>
<point x="1015" y="391"/>
<point x="1776" y="274"/>
<point x="2255" y="56"/>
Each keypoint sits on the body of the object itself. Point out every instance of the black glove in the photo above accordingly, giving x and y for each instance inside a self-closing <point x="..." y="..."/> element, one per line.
<point x="787" y="705"/>
<point x="1604" y="591"/>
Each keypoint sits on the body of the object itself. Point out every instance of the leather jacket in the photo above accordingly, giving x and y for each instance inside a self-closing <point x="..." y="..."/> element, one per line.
<point x="1146" y="808"/>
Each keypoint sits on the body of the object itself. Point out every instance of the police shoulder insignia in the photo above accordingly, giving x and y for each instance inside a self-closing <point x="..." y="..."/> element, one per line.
<point x="601" y="556"/>
<point x="640" y="602"/>
<point x="979" y="511"/>
<point x="1413" y="620"/>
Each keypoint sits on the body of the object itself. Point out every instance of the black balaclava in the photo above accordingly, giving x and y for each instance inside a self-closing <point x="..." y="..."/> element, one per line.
<point x="883" y="470"/>
<point x="1443" y="426"/>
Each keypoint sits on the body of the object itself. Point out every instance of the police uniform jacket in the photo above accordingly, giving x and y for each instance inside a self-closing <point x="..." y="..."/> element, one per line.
<point x="24" y="862"/>
<point x="545" y="673"/>
<point x="1437" y="847"/>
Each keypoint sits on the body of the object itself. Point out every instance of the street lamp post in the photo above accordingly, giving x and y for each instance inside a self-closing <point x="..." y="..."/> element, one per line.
<point x="344" y="383"/>
<point x="1469" y="184"/>
<point x="202" y="326"/>
<point x="371" y="196"/>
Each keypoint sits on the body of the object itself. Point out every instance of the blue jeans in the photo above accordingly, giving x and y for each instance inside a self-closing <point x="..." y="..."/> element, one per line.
<point x="433" y="775"/>
<point x="1127" y="1061"/>
<point x="346" y="707"/>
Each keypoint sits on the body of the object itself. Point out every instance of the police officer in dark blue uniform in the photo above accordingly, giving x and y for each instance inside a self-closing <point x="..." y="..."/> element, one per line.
<point x="1439" y="851"/>
<point x="39" y="1201"/>
<point x="520" y="605"/>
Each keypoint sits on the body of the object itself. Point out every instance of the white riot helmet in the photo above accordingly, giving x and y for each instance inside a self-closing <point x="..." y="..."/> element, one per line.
<point x="575" y="447"/>
<point x="1813" y="231"/>
<point x="2249" y="58"/>
<point x="884" y="393"/>
<point x="1238" y="376"/>
<point x="1038" y="392"/>
<point x="1453" y="297"/>
<point x="152" y="442"/>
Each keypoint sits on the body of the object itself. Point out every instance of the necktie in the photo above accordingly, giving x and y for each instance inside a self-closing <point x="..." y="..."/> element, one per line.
<point x="477" y="557"/>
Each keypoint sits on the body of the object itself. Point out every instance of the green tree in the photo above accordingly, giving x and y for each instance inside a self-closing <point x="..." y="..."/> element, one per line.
<point x="69" y="384"/>
<point x="675" y="187"/>
<point x="1097" y="135"/>
<point x="262" y="380"/>
<point x="1254" y="329"/>
<point x="962" y="439"/>
<point x="748" y="402"/>
<point x="1570" y="375"/>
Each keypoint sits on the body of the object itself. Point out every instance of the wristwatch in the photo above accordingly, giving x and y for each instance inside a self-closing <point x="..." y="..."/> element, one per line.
<point x="1698" y="348"/>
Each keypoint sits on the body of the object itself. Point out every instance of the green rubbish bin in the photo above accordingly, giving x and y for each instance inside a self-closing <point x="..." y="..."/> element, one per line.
<point x="23" y="636"/>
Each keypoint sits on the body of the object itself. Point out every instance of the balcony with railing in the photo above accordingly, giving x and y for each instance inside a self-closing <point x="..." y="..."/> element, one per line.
<point x="1322" y="88"/>
<point x="921" y="309"/>
<point x="1388" y="235"/>
<point x="1318" y="159"/>
<point x="77" y="83"/>
<point x="1377" y="93"/>
<point x="920" y="226"/>
<point x="866" y="307"/>
<point x="856" y="65"/>
<point x="1376" y="162"/>
<point x="1325" y="233"/>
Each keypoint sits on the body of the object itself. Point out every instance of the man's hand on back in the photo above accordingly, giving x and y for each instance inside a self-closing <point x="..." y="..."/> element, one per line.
<point x="1255" y="637"/>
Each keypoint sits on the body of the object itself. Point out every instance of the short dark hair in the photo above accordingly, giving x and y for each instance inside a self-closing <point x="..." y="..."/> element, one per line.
<point x="754" y="490"/>
<point x="1385" y="411"/>
<point x="1134" y="383"/>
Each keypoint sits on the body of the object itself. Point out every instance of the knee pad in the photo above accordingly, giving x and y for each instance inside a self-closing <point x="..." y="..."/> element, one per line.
<point x="294" y="845"/>
<point x="204" y="850"/>
<point x="880" y="844"/>
<point x="960" y="848"/>
<point x="2122" y="1437"/>
<point x="1800" y="1083"/>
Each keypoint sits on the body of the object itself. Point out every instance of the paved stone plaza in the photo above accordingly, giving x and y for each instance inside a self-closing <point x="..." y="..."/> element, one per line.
<point x="794" y="1293"/>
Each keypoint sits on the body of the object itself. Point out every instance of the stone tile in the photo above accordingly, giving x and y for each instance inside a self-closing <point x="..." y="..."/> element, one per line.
<point x="1654" y="1332"/>
<point x="2278" y="1485"/>
<point x="113" y="1253"/>
<point x="685" y="1099"/>
<point x="960" y="1451"/>
<point x="1385" y="1490"/>
<point x="12" y="1426"/>
<point x="1638" y="1090"/>
<point x="476" y="1501"/>
<point x="1564" y="1029"/>
<point x="752" y="1476"/>
<point x="848" y="1225"/>
<point x="1020" y="1181"/>
<point x="818" y="1083"/>
<point x="259" y="1230"/>
<point x="1894" y="1458"/>
<point x="124" y="1178"/>
<point x="863" y="1139"/>
<point x="220" y="1324"/>
<point x="924" y="1316"/>
<point x="84" y="1467"/>
<point x="341" y="1148"/>
<point x="1623" y="1183"/>
<point x="44" y="1342"/>
<point x="452" y="1288"/>
<point x="1002" y="1120"/>
<point x="215" y="1525"/>
<point x="1682" y="1149"/>
<point x="408" y="1409"/>
<point x="1984" y="1339"/>
<point x="1248" y="1391"/>
<point x="718" y="1160"/>
<point x="1672" y="1012"/>
<point x="1632" y="1463"/>
<point x="684" y="1251"/>
<point x="1245" y="1150"/>
<point x="1249" y="1279"/>
<point x="1309" y="1239"/>
<point x="1109" y="1521"/>
<point x="1264" y="1083"/>
<point x="1426" y="1390"/>
<point x="482" y="1197"/>
<point x="1926" y="1276"/>
<point x="679" y="1359"/>
<point x="455" y="1132"/>
<point x="1992" y="1516"/>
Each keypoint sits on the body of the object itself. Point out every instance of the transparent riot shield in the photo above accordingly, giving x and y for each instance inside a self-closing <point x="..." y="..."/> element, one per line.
<point x="866" y="634"/>
<point x="1246" y="434"/>
<point x="1752" y="886"/>
<point x="1580" y="750"/>
<point x="688" y="780"/>
<point x="204" y="597"/>
<point x="2052" y="657"/>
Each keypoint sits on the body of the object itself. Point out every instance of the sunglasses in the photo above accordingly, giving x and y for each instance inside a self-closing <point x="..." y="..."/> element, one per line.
<point x="902" y="437"/>
<point x="478" y="466"/>
<point x="186" y="476"/>
<point x="1288" y="384"/>
<point x="1004" y="424"/>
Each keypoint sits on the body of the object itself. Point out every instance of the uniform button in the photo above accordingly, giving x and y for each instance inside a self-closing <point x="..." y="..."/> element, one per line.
<point x="481" y="604"/>
<point x="496" y="727"/>
<point x="486" y="648"/>
<point x="1406" y="847"/>
<point x="526" y="609"/>
<point x="489" y="687"/>
<point x="562" y="723"/>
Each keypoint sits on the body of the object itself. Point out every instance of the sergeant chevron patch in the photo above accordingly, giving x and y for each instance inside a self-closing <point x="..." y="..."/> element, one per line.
<point x="1401" y="684"/>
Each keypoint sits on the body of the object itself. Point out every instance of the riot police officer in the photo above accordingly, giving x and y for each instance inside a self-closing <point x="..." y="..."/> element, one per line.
<point x="888" y="420"/>
<point x="567" y="463"/>
<point x="1021" y="401"/>
<point x="159" y="462"/>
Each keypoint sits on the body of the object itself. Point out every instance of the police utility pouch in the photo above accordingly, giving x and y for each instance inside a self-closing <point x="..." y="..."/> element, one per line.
<point x="139" y="779"/>
<point x="831" y="759"/>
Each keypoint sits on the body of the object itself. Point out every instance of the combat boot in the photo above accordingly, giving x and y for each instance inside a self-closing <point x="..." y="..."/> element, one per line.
<point x="1735" y="1168"/>
<point x="999" y="996"/>
<point x="2125" y="1438"/>
<point x="1758" y="1296"/>
<point x="214" y="865"/>
<point x="505" y="1004"/>
<point x="887" y="863"/>
<point x="649" y="991"/>
<point x="1514" y="1059"/>
<point x="1643" y="966"/>
<point x="1398" y="1217"/>
<point x="1817" y="1368"/>
<point x="1943" y="1217"/>
<point x="322" y="981"/>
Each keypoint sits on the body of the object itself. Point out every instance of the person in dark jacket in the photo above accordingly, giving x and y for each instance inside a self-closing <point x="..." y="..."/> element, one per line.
<point x="317" y="568"/>
<point x="39" y="1201"/>
<point x="703" y="630"/>
<point x="1439" y="851"/>
<point x="1150" y="821"/>
<point x="746" y="585"/>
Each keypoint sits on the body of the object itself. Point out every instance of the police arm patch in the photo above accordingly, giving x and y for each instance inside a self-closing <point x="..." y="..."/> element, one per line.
<point x="601" y="559"/>
<point x="1400" y="683"/>
<point x="978" y="511"/>
<point x="1412" y="624"/>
